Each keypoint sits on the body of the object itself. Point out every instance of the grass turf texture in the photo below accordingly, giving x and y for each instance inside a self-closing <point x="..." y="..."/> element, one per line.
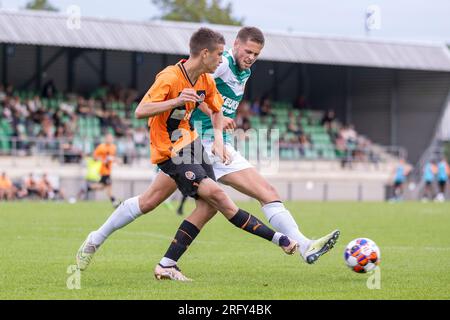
<point x="39" y="242"/>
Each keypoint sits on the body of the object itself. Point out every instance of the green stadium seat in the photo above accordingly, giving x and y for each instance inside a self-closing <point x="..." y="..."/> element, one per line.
<point x="311" y="154"/>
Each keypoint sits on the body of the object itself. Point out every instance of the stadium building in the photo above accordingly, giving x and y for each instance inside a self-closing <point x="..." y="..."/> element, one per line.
<point x="394" y="93"/>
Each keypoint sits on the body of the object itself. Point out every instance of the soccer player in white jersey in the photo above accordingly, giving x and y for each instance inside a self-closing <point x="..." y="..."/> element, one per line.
<point x="231" y="77"/>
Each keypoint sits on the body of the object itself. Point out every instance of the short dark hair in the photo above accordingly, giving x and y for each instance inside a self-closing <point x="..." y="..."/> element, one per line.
<point x="252" y="34"/>
<point x="205" y="38"/>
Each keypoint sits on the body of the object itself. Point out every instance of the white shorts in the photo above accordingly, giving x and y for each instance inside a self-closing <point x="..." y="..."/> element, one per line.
<point x="238" y="162"/>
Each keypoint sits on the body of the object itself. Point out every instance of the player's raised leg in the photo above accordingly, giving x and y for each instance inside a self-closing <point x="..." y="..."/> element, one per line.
<point x="212" y="193"/>
<point x="212" y="197"/>
<point x="161" y="188"/>
<point x="277" y="214"/>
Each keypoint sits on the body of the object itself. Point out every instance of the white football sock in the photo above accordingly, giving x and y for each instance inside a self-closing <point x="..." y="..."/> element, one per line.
<point x="127" y="212"/>
<point x="281" y="219"/>
<point x="167" y="262"/>
<point x="276" y="238"/>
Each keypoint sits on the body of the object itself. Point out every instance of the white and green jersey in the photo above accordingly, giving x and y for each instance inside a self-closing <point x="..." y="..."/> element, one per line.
<point x="230" y="82"/>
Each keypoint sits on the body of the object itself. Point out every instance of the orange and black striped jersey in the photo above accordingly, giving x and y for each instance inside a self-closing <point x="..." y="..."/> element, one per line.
<point x="170" y="131"/>
<point x="105" y="152"/>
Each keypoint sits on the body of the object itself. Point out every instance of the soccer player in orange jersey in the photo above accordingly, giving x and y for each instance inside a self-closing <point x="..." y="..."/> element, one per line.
<point x="106" y="153"/>
<point x="178" y="152"/>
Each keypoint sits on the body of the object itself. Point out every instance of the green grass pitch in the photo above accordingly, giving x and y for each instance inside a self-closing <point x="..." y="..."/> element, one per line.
<point x="39" y="242"/>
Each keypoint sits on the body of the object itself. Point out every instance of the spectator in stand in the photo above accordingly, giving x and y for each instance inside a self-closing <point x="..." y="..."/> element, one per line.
<point x="118" y="125"/>
<point x="21" y="191"/>
<point x="328" y="119"/>
<point x="105" y="119"/>
<point x="341" y="150"/>
<point x="49" y="89"/>
<point x="44" y="186"/>
<point x="293" y="126"/>
<point x="246" y="124"/>
<point x="255" y="108"/>
<point x="20" y="109"/>
<point x="32" y="187"/>
<point x="7" y="189"/>
<point x="49" y="190"/>
<point x="304" y="144"/>
<point x="266" y="108"/>
<point x="82" y="108"/>
<point x="243" y="114"/>
<point x="349" y="134"/>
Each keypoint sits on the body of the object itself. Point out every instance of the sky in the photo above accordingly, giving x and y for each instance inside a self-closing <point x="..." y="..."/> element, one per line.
<point x="421" y="20"/>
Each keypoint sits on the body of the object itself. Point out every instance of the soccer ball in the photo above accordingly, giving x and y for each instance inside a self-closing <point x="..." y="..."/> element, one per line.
<point x="362" y="255"/>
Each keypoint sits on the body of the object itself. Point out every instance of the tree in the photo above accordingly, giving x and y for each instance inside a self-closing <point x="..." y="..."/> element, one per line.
<point x="40" y="5"/>
<point x="211" y="11"/>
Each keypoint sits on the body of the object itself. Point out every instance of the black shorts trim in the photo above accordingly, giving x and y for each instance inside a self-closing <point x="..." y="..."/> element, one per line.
<point x="105" y="180"/>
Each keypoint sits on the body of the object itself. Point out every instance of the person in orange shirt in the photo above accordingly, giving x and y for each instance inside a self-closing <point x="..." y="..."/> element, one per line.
<point x="7" y="189"/>
<point x="106" y="152"/>
<point x="177" y="150"/>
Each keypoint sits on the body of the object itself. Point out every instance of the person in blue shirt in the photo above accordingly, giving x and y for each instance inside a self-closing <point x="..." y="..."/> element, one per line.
<point x="443" y="172"/>
<point x="429" y="176"/>
<point x="401" y="172"/>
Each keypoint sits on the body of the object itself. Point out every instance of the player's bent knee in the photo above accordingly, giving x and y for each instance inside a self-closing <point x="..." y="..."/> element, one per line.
<point x="218" y="195"/>
<point x="147" y="205"/>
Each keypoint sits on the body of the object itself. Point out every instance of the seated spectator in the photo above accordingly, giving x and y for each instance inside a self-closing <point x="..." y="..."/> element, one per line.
<point x="349" y="134"/>
<point x="21" y="191"/>
<point x="32" y="187"/>
<point x="255" y="108"/>
<point x="49" y="190"/>
<point x="118" y="125"/>
<point x="82" y="109"/>
<point x="246" y="124"/>
<point x="293" y="126"/>
<point x="266" y="108"/>
<point x="7" y="189"/>
<point x="34" y="104"/>
<point x="303" y="143"/>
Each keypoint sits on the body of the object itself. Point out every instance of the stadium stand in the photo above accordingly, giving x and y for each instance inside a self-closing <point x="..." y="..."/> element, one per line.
<point x="72" y="125"/>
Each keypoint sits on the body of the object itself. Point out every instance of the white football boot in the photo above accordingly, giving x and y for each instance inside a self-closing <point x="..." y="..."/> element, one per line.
<point x="319" y="247"/>
<point x="85" y="254"/>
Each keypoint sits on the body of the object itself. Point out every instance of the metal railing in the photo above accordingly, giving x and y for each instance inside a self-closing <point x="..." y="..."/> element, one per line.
<point x="260" y="151"/>
<point x="64" y="150"/>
